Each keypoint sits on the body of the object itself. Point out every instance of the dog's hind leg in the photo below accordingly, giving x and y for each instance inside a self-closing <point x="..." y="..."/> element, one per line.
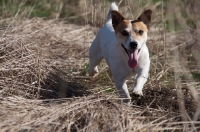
<point x="95" y="56"/>
<point x="93" y="68"/>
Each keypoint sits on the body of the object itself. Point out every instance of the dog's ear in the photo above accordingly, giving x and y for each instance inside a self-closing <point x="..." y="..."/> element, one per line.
<point x="146" y="17"/>
<point x="117" y="18"/>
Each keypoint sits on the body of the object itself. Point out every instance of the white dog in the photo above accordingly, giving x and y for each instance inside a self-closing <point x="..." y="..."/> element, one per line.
<point x="123" y="45"/>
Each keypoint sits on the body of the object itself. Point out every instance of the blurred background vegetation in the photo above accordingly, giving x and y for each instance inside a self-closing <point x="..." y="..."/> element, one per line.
<point x="74" y="11"/>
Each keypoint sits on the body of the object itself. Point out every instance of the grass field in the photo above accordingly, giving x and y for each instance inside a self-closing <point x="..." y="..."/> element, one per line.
<point x="44" y="85"/>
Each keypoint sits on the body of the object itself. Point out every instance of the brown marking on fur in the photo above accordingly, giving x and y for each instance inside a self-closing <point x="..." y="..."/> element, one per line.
<point x="117" y="18"/>
<point x="146" y="17"/>
<point x="137" y="25"/>
<point x="123" y="25"/>
<point x="142" y="23"/>
<point x="140" y="26"/>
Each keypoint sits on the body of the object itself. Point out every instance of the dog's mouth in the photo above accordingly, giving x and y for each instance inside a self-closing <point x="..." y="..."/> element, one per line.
<point x="133" y="57"/>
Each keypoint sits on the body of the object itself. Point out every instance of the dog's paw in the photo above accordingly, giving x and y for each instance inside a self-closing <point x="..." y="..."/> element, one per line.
<point x="92" y="72"/>
<point x="138" y="92"/>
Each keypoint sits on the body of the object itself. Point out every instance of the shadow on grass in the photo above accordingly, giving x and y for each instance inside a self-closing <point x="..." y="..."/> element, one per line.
<point x="164" y="99"/>
<point x="59" y="84"/>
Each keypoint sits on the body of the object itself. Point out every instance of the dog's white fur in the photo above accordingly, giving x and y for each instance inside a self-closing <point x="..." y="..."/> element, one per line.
<point x="107" y="44"/>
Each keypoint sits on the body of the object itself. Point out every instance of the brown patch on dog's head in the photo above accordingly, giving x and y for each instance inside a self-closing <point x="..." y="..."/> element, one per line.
<point x="145" y="17"/>
<point x="117" y="18"/>
<point x="135" y="28"/>
<point x="139" y="25"/>
<point x="139" y="30"/>
<point x="128" y="31"/>
<point x="125" y="24"/>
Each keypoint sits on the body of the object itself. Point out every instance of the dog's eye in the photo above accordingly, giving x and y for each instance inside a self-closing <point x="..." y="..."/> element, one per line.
<point x="125" y="33"/>
<point x="140" y="32"/>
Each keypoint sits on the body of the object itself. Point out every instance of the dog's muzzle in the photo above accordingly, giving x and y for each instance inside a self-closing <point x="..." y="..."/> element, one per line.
<point x="126" y="49"/>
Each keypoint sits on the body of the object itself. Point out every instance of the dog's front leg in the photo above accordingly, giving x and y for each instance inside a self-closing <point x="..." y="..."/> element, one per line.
<point x="141" y="78"/>
<point x="122" y="89"/>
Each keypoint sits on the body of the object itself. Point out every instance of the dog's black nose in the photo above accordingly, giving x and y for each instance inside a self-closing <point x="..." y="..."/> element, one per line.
<point x="133" y="45"/>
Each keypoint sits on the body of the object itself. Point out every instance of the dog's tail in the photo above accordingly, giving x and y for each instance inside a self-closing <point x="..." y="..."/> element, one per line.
<point x="112" y="7"/>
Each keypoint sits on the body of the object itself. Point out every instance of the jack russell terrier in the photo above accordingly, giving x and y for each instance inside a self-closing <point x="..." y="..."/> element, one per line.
<point x="122" y="43"/>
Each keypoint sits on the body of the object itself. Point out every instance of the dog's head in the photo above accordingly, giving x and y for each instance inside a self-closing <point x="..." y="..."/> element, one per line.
<point x="131" y="34"/>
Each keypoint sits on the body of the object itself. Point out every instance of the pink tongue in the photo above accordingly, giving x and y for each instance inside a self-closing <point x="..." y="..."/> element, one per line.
<point x="133" y="58"/>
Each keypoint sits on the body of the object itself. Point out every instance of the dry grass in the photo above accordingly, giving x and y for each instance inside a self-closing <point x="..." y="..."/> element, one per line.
<point x="44" y="85"/>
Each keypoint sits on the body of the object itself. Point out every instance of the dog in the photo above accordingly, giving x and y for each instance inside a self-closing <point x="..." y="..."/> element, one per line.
<point x="122" y="43"/>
